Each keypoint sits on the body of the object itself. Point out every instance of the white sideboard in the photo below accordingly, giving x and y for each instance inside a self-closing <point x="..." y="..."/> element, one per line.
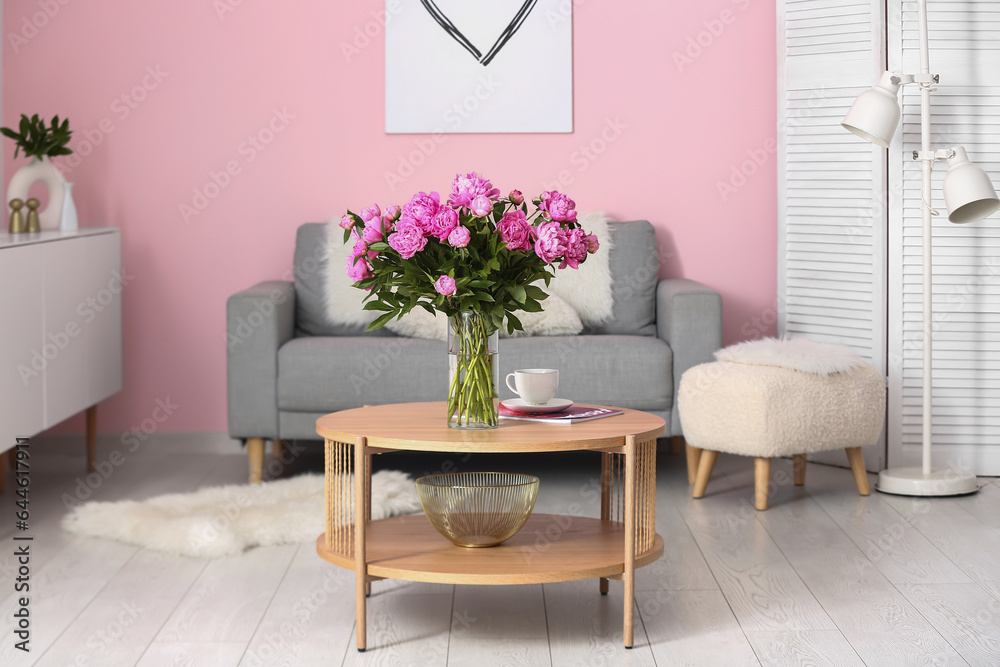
<point x="61" y="337"/>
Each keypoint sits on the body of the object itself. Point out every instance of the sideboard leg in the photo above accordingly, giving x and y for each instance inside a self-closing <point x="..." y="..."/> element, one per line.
<point x="91" y="437"/>
<point x="361" y="479"/>
<point x="629" y="574"/>
<point x="606" y="467"/>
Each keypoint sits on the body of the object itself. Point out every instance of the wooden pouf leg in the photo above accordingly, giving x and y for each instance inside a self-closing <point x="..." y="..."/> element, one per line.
<point x="705" y="464"/>
<point x="255" y="457"/>
<point x="761" y="478"/>
<point x="857" y="460"/>
<point x="693" y="455"/>
<point x="91" y="438"/>
<point x="799" y="468"/>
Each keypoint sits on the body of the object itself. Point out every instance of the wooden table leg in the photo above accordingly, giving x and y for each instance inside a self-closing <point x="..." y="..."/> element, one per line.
<point x="361" y="480"/>
<point x="629" y="574"/>
<point x="368" y="508"/>
<point x="91" y="437"/>
<point x="605" y="501"/>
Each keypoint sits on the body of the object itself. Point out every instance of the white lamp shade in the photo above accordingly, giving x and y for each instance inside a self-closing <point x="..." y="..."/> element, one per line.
<point x="968" y="192"/>
<point x="875" y="113"/>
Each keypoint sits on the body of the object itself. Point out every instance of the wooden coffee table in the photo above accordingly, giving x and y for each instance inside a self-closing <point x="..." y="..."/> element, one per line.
<point x="547" y="549"/>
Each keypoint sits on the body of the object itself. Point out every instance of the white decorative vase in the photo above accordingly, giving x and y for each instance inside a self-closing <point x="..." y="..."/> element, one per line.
<point x="44" y="171"/>
<point x="68" y="221"/>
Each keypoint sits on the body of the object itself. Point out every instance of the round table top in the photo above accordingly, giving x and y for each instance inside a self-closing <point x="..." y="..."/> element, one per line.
<point x="423" y="427"/>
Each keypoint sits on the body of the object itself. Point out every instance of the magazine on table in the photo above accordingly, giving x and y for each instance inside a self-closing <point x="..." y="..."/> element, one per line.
<point x="571" y="415"/>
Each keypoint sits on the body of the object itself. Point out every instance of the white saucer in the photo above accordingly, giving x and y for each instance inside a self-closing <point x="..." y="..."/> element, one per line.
<point x="555" y="405"/>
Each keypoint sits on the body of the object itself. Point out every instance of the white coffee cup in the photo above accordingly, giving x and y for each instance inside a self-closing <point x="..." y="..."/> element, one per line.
<point x="534" y="385"/>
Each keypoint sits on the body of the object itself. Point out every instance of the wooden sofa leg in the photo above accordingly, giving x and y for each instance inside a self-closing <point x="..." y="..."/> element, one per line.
<point x="255" y="457"/>
<point x="799" y="469"/>
<point x="693" y="456"/>
<point x="857" y="460"/>
<point x="705" y="464"/>
<point x="761" y="479"/>
<point x="277" y="448"/>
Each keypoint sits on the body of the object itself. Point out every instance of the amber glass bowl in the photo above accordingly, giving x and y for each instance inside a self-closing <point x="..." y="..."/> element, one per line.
<point x="478" y="509"/>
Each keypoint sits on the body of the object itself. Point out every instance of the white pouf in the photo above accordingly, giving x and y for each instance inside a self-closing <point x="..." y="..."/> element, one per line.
<point x="756" y="404"/>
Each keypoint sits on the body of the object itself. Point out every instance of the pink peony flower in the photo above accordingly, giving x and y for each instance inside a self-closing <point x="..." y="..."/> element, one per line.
<point x="358" y="270"/>
<point x="445" y="285"/>
<point x="576" y="249"/>
<point x="459" y="237"/>
<point x="371" y="213"/>
<point x="408" y="239"/>
<point x="466" y="188"/>
<point x="557" y="206"/>
<point x="420" y="209"/>
<point x="550" y="241"/>
<point x="359" y="248"/>
<point x="443" y="222"/>
<point x="514" y="230"/>
<point x="347" y="221"/>
<point x="373" y="232"/>
<point x="516" y="197"/>
<point x="592" y="243"/>
<point x="481" y="206"/>
<point x="391" y="214"/>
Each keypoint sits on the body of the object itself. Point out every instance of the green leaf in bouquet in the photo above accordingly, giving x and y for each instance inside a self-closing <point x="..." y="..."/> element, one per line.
<point x="513" y="324"/>
<point x="535" y="292"/>
<point x="483" y="296"/>
<point x="519" y="293"/>
<point x="531" y="306"/>
<point x="377" y="305"/>
<point x="379" y="246"/>
<point x="381" y="321"/>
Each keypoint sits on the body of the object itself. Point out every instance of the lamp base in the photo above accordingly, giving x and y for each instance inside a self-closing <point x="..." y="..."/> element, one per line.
<point x="913" y="482"/>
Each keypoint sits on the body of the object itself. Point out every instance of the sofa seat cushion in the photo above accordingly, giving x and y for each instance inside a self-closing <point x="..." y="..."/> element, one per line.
<point x="325" y="374"/>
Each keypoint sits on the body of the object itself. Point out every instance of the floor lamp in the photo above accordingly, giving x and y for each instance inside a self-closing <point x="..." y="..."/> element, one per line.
<point x="969" y="196"/>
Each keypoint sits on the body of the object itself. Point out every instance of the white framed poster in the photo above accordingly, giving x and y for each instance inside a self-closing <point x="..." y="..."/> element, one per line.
<point x="455" y="66"/>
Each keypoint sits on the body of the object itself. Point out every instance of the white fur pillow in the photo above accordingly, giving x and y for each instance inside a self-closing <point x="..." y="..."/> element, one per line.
<point x="797" y="354"/>
<point x="557" y="319"/>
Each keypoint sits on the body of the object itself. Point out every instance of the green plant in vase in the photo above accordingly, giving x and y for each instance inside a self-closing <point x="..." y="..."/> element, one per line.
<point x="38" y="141"/>
<point x="474" y="258"/>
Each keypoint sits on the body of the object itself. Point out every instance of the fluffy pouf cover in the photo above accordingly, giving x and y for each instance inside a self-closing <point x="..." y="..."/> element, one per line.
<point x="754" y="404"/>
<point x="225" y="520"/>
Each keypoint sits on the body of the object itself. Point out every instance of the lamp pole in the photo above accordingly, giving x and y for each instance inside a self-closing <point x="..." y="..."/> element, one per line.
<point x="925" y="208"/>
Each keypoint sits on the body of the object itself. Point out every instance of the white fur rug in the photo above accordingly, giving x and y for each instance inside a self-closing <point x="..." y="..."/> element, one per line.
<point x="226" y="520"/>
<point x="797" y="354"/>
<point x="586" y="290"/>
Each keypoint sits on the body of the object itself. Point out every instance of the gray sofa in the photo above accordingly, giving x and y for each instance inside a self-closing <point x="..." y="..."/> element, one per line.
<point x="288" y="366"/>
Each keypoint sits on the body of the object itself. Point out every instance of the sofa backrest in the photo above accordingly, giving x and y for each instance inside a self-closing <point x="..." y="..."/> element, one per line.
<point x="635" y="268"/>
<point x="634" y="263"/>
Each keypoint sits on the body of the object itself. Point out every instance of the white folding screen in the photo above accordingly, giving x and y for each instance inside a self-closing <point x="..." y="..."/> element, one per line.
<point x="831" y="184"/>
<point x="964" y="40"/>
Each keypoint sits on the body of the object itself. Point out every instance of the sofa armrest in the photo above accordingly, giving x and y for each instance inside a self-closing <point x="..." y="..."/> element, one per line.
<point x="689" y="319"/>
<point x="259" y="320"/>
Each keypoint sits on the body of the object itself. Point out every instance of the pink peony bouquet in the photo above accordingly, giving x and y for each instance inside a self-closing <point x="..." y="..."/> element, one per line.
<point x="476" y="251"/>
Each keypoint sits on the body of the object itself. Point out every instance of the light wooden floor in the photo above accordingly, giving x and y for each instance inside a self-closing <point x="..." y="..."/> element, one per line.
<point x="823" y="577"/>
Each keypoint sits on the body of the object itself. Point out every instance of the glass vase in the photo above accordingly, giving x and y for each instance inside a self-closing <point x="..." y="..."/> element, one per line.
<point x="473" y="372"/>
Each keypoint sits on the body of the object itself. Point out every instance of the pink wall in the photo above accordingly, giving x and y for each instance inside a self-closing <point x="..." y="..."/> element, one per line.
<point x="691" y="114"/>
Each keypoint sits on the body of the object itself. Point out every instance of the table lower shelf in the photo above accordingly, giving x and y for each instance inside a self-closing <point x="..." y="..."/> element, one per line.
<point x="548" y="548"/>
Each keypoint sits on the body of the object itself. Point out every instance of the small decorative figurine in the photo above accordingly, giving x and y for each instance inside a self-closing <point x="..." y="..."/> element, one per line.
<point x="16" y="219"/>
<point x="33" y="223"/>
